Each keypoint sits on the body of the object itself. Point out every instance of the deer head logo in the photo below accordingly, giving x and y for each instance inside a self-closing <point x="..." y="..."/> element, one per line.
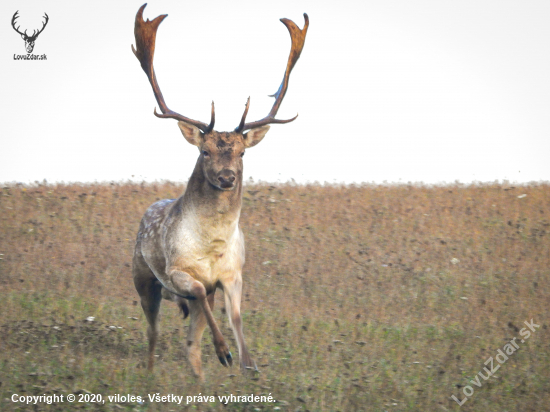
<point x="29" y="40"/>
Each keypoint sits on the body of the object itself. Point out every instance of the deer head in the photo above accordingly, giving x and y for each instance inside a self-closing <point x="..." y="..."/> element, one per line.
<point x="220" y="152"/>
<point x="29" y="40"/>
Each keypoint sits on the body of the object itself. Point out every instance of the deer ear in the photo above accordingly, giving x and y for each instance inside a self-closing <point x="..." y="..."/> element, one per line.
<point x="191" y="133"/>
<point x="255" y="136"/>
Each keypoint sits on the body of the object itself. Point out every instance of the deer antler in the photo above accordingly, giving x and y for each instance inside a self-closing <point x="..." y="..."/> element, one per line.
<point x="15" y="16"/>
<point x="34" y="33"/>
<point x="146" y="33"/>
<point x="298" y="38"/>
<point x="43" y="26"/>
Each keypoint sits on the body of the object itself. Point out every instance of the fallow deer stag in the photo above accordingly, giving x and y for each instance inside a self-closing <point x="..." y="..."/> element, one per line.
<point x="186" y="248"/>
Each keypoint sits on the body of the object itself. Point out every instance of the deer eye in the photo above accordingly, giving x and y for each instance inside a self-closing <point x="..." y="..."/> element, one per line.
<point x="205" y="153"/>
<point x="242" y="154"/>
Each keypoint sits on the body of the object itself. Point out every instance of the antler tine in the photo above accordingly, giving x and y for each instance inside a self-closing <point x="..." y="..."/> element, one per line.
<point x="212" y="119"/>
<point x="146" y="33"/>
<point x="298" y="37"/>
<point x="240" y="128"/>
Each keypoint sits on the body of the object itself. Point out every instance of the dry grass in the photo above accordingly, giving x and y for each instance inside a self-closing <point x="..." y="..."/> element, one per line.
<point x="351" y="301"/>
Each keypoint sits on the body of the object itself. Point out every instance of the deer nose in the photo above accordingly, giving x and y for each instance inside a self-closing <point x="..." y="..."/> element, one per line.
<point x="229" y="179"/>
<point x="226" y="178"/>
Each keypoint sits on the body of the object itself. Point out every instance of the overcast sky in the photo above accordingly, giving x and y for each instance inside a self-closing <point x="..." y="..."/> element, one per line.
<point x="397" y="91"/>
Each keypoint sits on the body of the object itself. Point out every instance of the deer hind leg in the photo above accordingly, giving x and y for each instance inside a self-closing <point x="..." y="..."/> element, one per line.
<point x="197" y="325"/>
<point x="232" y="295"/>
<point x="185" y="285"/>
<point x="149" y="291"/>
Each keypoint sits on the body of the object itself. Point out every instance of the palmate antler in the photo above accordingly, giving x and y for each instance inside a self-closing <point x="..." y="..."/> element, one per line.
<point x="146" y="33"/>
<point x="298" y="38"/>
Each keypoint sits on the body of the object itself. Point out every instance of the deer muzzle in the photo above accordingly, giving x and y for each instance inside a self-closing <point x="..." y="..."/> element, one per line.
<point x="226" y="178"/>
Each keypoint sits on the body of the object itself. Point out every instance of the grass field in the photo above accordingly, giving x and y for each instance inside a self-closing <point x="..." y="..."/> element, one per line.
<point x="373" y="298"/>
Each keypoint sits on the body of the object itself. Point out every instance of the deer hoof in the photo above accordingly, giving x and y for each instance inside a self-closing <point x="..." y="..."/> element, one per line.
<point x="227" y="360"/>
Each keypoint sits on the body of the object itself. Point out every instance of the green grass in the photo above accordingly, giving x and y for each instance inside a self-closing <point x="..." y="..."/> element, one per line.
<point x="350" y="300"/>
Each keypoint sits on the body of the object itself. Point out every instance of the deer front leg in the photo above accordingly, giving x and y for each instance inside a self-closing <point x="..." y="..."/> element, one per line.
<point x="186" y="286"/>
<point x="197" y="325"/>
<point x="232" y="293"/>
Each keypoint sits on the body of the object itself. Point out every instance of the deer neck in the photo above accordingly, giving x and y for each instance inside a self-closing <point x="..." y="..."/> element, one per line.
<point x="211" y="205"/>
